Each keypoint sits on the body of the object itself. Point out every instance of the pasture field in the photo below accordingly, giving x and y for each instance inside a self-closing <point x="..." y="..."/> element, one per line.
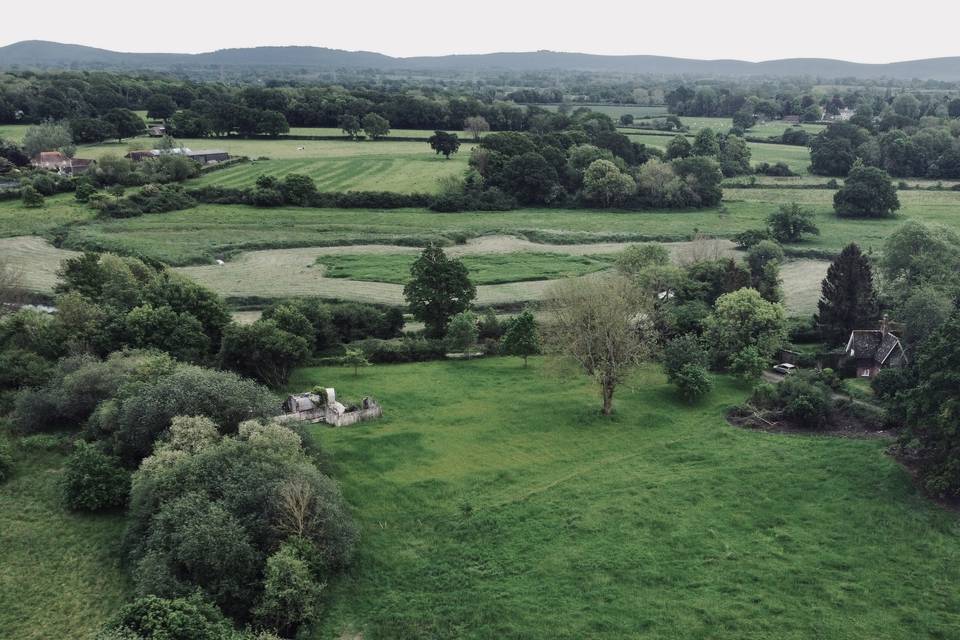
<point x="415" y="173"/>
<point x="13" y="132"/>
<point x="490" y="268"/>
<point x="615" y="110"/>
<point x="769" y="128"/>
<point x="60" y="573"/>
<point x="483" y="516"/>
<point x="208" y="231"/>
<point x="797" y="158"/>
<point x="335" y="165"/>
<point x="398" y="133"/>
<point x="273" y="252"/>
<point x="15" y="220"/>
<point x="280" y="148"/>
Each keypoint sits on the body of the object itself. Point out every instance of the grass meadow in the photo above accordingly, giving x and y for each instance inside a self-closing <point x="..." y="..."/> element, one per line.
<point x="615" y="110"/>
<point x="797" y="158"/>
<point x="13" y="132"/>
<point x="495" y="502"/>
<point x="335" y="165"/>
<point x="60" y="573"/>
<point x="484" y="268"/>
<point x="200" y="234"/>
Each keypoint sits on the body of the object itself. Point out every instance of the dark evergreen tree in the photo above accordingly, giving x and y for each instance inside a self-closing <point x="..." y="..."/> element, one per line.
<point x="848" y="299"/>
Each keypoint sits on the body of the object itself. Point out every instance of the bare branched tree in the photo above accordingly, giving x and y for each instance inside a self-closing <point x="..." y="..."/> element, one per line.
<point x="476" y="125"/>
<point x="703" y="248"/>
<point x="295" y="508"/>
<point x="603" y="326"/>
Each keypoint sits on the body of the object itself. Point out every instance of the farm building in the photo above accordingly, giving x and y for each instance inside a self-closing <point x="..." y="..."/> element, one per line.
<point x="56" y="161"/>
<point x="157" y="131"/>
<point x="323" y="407"/>
<point x="874" y="349"/>
<point x="791" y="119"/>
<point x="205" y="156"/>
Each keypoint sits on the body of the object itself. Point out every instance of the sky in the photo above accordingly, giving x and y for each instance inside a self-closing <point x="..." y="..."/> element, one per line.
<point x="857" y="30"/>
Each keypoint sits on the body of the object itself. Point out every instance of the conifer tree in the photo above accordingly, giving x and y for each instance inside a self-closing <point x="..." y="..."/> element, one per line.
<point x="848" y="299"/>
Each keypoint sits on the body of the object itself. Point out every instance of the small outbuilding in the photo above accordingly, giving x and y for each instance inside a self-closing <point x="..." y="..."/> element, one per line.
<point x="323" y="407"/>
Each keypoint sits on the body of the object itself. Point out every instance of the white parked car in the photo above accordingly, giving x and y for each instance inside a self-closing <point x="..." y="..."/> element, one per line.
<point x="785" y="368"/>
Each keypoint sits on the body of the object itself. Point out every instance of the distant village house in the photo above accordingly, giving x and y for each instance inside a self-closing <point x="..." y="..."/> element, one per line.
<point x="874" y="349"/>
<point x="56" y="161"/>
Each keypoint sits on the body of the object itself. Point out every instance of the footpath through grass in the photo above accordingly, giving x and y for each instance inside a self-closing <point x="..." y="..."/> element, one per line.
<point x="494" y="502"/>
<point x="60" y="574"/>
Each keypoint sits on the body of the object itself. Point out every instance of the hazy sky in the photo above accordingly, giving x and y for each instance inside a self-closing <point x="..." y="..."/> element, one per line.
<point x="857" y="30"/>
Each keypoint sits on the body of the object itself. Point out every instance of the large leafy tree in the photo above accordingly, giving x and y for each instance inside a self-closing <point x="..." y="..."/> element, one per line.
<point x="521" y="338"/>
<point x="606" y="185"/>
<point x="603" y="328"/>
<point x="439" y="289"/>
<point x="531" y="178"/>
<point x="734" y="157"/>
<point x="263" y="351"/>
<point x="790" y="222"/>
<point x="741" y="320"/>
<point x="48" y="136"/>
<point x="867" y="192"/>
<point x="445" y="143"/>
<point x="705" y="143"/>
<point x="375" y="125"/>
<point x="126" y="124"/>
<point x="161" y="106"/>
<point x="847" y="297"/>
<point x="678" y="147"/>
<point x="932" y="410"/>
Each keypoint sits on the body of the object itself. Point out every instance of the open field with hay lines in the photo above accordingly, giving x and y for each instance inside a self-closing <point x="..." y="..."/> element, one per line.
<point x="413" y="174"/>
<point x="484" y="268"/>
<point x="508" y="270"/>
<point x="282" y="149"/>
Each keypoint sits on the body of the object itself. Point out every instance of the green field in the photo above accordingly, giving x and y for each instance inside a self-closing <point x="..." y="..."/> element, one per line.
<point x="494" y="502"/>
<point x="335" y="165"/>
<point x="13" y="132"/>
<point x="484" y="268"/>
<point x="60" y="574"/>
<point x="394" y="133"/>
<point x="797" y="158"/>
<point x="270" y="255"/>
<point x="614" y="110"/>
<point x="209" y="231"/>
<point x="281" y="149"/>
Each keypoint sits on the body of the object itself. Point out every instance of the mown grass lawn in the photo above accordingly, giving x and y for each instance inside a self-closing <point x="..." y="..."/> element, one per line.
<point x="484" y="268"/>
<point x="495" y="503"/>
<point x="60" y="574"/>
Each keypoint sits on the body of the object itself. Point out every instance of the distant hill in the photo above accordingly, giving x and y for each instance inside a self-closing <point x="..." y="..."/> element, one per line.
<point x="37" y="54"/>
